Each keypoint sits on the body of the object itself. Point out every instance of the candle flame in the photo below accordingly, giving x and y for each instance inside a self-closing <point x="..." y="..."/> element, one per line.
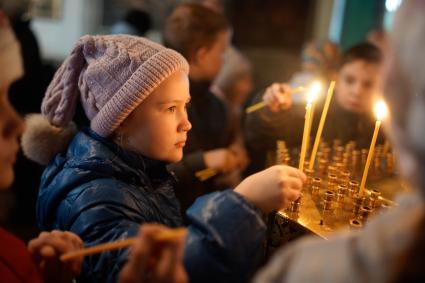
<point x="381" y="109"/>
<point x="315" y="89"/>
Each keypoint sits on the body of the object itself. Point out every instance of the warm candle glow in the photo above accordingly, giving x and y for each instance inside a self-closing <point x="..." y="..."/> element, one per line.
<point x="381" y="110"/>
<point x="315" y="89"/>
<point x="311" y="97"/>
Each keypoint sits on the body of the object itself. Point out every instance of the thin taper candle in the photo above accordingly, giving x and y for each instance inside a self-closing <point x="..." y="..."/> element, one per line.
<point x="380" y="112"/>
<point x="305" y="136"/>
<point x="124" y="243"/>
<point x="321" y="124"/>
<point x="369" y="157"/>
<point x="312" y="95"/>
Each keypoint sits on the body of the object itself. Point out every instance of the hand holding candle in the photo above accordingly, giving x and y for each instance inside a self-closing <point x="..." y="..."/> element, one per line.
<point x="151" y="260"/>
<point x="273" y="97"/>
<point x="381" y="111"/>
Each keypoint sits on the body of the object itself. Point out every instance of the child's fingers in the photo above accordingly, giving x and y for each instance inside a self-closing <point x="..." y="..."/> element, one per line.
<point x="293" y="183"/>
<point x="170" y="267"/>
<point x="137" y="264"/>
<point x="36" y="246"/>
<point x="73" y="239"/>
<point x="284" y="171"/>
<point x="48" y="246"/>
<point x="48" y="252"/>
<point x="289" y="195"/>
<point x="71" y="242"/>
<point x="59" y="241"/>
<point x="285" y="88"/>
<point x="295" y="172"/>
<point x="141" y="254"/>
<point x="144" y="252"/>
<point x="166" y="264"/>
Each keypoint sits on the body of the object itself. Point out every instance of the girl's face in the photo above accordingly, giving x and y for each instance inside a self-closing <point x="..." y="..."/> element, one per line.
<point x="357" y="84"/>
<point x="11" y="127"/>
<point x="158" y="127"/>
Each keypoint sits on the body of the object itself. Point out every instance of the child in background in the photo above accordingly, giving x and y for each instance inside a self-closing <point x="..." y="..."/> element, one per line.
<point x="391" y="247"/>
<point x="233" y="85"/>
<point x="104" y="181"/>
<point x="234" y="82"/>
<point x="201" y="35"/>
<point x="319" y="62"/>
<point x="349" y="117"/>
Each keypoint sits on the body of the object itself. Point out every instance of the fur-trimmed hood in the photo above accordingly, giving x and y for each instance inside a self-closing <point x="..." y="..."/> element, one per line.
<point x="42" y="141"/>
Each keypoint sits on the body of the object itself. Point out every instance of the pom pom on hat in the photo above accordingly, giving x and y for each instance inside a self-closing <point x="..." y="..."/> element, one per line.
<point x="41" y="140"/>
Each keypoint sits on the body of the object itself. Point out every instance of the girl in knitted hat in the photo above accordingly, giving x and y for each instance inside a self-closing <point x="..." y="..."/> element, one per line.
<point x="39" y="261"/>
<point x="104" y="181"/>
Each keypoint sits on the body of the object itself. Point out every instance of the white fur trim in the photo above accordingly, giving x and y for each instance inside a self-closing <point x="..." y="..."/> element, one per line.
<point x="41" y="141"/>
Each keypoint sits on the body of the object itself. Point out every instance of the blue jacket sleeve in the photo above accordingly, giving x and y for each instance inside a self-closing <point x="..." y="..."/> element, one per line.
<point x="225" y="239"/>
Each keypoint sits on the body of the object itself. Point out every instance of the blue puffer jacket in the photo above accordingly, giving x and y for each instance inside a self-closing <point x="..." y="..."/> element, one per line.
<point x="103" y="193"/>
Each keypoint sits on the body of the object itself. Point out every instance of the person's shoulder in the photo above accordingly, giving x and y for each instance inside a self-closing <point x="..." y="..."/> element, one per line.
<point x="311" y="259"/>
<point x="394" y="229"/>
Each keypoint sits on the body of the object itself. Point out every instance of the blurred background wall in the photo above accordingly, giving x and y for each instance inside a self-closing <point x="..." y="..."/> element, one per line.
<point x="270" y="32"/>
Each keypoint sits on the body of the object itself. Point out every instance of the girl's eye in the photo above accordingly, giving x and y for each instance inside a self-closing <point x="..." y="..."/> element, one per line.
<point x="171" y="109"/>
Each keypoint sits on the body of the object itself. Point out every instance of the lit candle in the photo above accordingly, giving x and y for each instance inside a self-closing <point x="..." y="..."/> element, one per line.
<point x="321" y="124"/>
<point x="380" y="112"/>
<point x="311" y="97"/>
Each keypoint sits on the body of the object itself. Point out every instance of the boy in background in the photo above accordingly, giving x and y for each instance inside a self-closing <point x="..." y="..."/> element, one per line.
<point x="349" y="117"/>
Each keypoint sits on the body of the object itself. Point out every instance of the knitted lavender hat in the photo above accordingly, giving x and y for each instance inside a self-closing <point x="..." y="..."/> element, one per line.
<point x="111" y="75"/>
